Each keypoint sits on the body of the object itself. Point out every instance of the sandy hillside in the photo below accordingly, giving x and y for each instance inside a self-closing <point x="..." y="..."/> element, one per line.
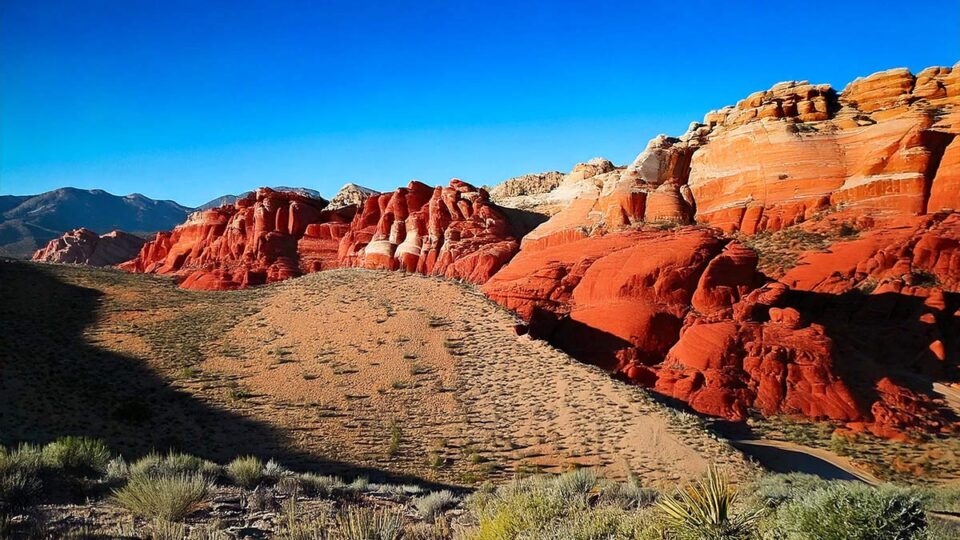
<point x="347" y="369"/>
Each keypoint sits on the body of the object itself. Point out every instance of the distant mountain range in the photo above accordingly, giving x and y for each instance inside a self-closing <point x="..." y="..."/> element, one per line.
<point x="230" y="199"/>
<point x="28" y="222"/>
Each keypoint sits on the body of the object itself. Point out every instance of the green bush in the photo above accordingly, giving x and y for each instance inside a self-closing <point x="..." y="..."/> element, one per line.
<point x="172" y="463"/>
<point x="20" y="478"/>
<point x="772" y="490"/>
<point x="117" y="470"/>
<point x="167" y="497"/>
<point x="273" y="471"/>
<point x="944" y="499"/>
<point x="320" y="485"/>
<point x="80" y="456"/>
<point x="851" y="511"/>
<point x="246" y="472"/>
<point x="629" y="495"/>
<point x="576" y="483"/>
<point x="433" y="504"/>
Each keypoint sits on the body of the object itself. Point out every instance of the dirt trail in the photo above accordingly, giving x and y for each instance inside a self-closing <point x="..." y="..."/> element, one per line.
<point x="784" y="457"/>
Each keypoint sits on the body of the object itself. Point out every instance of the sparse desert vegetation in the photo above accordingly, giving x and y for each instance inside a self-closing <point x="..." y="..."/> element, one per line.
<point x="181" y="496"/>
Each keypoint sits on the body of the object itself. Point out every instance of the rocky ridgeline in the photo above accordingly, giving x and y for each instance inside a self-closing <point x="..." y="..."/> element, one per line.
<point x="83" y="246"/>
<point x="270" y="236"/>
<point x="644" y="270"/>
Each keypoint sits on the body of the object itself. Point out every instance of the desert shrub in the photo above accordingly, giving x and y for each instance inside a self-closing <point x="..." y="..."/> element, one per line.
<point x="772" y="490"/>
<point x="167" y="497"/>
<point x="396" y="437"/>
<point x="606" y="523"/>
<point x="161" y="529"/>
<point x="324" y="486"/>
<point x="289" y="485"/>
<point x="359" y="485"/>
<point x="433" y="504"/>
<point x="704" y="511"/>
<point x="245" y="471"/>
<point x="939" y="529"/>
<point x="363" y="523"/>
<point x="940" y="498"/>
<point x="273" y="471"/>
<point x="923" y="278"/>
<point x="173" y="463"/>
<point x="535" y="508"/>
<point x="295" y="527"/>
<point x="436" y="530"/>
<point x="850" y="511"/>
<point x="117" y="470"/>
<point x="20" y="478"/>
<point x="80" y="456"/>
<point x="397" y="491"/>
<point x="524" y="506"/>
<point x="629" y="495"/>
<point x="576" y="483"/>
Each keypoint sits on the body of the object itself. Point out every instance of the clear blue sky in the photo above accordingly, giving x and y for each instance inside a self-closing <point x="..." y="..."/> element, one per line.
<point x="191" y="100"/>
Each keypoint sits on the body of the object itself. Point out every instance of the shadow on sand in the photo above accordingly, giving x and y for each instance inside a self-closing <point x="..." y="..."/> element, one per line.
<point x="54" y="382"/>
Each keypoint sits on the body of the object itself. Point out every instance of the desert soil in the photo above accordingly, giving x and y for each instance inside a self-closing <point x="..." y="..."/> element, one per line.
<point x="345" y="371"/>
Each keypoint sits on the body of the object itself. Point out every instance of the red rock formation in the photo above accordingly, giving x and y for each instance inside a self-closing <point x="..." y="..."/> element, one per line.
<point x="884" y="145"/>
<point x="684" y="310"/>
<point x="620" y="299"/>
<point x="83" y="246"/>
<point x="270" y="236"/>
<point x="264" y="237"/>
<point x="453" y="232"/>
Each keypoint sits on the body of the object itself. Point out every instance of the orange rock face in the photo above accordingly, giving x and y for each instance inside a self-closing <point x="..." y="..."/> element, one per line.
<point x="884" y="145"/>
<point x="271" y="236"/>
<point x="619" y="300"/>
<point x="83" y="246"/>
<point x="616" y="279"/>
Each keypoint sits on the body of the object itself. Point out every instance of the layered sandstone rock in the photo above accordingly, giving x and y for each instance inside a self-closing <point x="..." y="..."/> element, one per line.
<point x="615" y="278"/>
<point x="882" y="146"/>
<point x="886" y="145"/>
<point x="448" y="231"/>
<point x="686" y="313"/>
<point x="270" y="236"/>
<point x="83" y="246"/>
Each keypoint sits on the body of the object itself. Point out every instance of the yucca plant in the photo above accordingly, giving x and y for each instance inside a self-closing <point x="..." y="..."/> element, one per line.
<point x="703" y="511"/>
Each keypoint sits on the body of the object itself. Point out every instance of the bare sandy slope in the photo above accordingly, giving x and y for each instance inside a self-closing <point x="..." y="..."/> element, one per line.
<point x="347" y="371"/>
<point x="353" y="359"/>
